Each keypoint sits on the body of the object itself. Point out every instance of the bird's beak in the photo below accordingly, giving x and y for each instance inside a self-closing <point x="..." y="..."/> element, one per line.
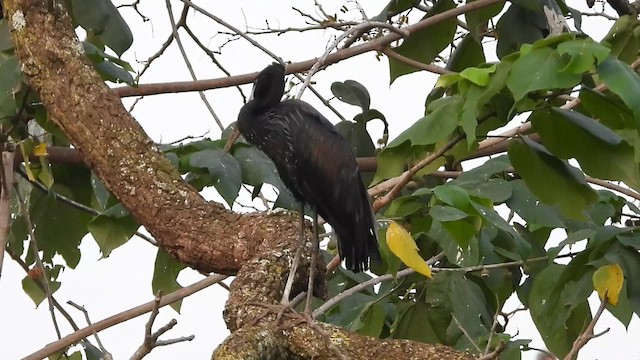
<point x="232" y="139"/>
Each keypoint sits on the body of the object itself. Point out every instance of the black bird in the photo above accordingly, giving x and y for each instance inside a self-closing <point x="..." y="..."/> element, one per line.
<point x="314" y="161"/>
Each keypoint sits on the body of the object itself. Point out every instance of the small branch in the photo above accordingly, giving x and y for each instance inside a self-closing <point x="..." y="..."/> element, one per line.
<point x="261" y="48"/>
<point x="5" y="202"/>
<point x="174" y="28"/>
<point x="345" y="35"/>
<point x="495" y="354"/>
<point x="151" y="340"/>
<point x="351" y="291"/>
<point x="494" y="325"/>
<point x="372" y="45"/>
<point x="123" y="316"/>
<point x="409" y="174"/>
<point x="588" y="333"/>
<point x="413" y="63"/>
<point x="466" y="334"/>
<point x="106" y="355"/>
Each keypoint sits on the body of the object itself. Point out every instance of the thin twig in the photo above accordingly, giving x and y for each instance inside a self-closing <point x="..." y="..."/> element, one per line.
<point x="409" y="174"/>
<point x="466" y="334"/>
<point x="106" y="355"/>
<point x="354" y="30"/>
<point x="261" y="48"/>
<point x="151" y="339"/>
<point x="416" y="64"/>
<point x="353" y="290"/>
<point x="5" y="201"/>
<point x="494" y="325"/>
<point x="183" y="52"/>
<point x="588" y="333"/>
<point x="123" y="316"/>
<point x="372" y="45"/>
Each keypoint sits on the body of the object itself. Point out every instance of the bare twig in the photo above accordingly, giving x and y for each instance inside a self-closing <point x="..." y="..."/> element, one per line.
<point x="588" y="333"/>
<point x="409" y="174"/>
<point x="345" y="35"/>
<point x="373" y="45"/>
<point x="174" y="27"/>
<point x="416" y="64"/>
<point x="466" y="334"/>
<point x="261" y="48"/>
<point x="151" y="340"/>
<point x="494" y="325"/>
<point x="5" y="201"/>
<point x="106" y="355"/>
<point x="351" y="291"/>
<point x="123" y="316"/>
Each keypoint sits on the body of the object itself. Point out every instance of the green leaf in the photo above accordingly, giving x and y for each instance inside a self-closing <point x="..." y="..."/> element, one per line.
<point x="440" y="121"/>
<point x="623" y="81"/>
<point x="517" y="26"/>
<point x="36" y="294"/>
<point x="224" y="170"/>
<point x="478" y="76"/>
<point x="165" y="276"/>
<point x="421" y="322"/>
<point x="540" y="69"/>
<point x="102" y="18"/>
<point x="477" y="19"/>
<point x="585" y="54"/>
<point x="371" y="320"/>
<point x="468" y="53"/>
<point x="559" y="323"/>
<point x="539" y="168"/>
<point x="59" y="227"/>
<point x="611" y="111"/>
<point x="425" y="44"/>
<point x="453" y="195"/>
<point x="5" y="37"/>
<point x="600" y="151"/>
<point x="623" y="38"/>
<point x="112" y="229"/>
<point x="358" y="137"/>
<point x="352" y="92"/>
<point x="258" y="169"/>
<point x="10" y="75"/>
<point x="446" y="213"/>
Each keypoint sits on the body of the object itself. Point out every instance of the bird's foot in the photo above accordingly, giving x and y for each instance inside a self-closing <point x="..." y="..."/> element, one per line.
<point x="284" y="312"/>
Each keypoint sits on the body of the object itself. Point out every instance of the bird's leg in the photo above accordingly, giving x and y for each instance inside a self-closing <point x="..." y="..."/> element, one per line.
<point x="315" y="247"/>
<point x="296" y="261"/>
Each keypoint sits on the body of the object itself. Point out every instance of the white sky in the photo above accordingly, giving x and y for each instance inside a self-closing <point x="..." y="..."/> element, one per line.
<point x="109" y="286"/>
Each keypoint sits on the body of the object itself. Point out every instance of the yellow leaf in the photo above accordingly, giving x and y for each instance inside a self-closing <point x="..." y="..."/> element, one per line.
<point x="40" y="150"/>
<point x="608" y="282"/>
<point x="402" y="245"/>
<point x="27" y="165"/>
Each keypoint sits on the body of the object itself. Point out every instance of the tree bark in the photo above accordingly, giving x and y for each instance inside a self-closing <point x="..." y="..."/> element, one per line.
<point x="203" y="235"/>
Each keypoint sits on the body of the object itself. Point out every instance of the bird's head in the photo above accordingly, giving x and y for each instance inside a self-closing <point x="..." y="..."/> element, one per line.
<point x="268" y="89"/>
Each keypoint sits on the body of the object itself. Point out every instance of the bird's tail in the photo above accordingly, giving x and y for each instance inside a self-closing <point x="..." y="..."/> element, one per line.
<point x="362" y="245"/>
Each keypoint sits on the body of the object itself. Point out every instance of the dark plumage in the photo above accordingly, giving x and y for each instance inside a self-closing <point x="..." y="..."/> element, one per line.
<point x="314" y="162"/>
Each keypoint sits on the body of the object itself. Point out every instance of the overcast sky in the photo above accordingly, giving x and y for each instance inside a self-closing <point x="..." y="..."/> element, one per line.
<point x="106" y="287"/>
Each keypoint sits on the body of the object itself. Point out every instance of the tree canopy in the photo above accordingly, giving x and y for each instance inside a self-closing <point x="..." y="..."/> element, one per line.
<point x="520" y="181"/>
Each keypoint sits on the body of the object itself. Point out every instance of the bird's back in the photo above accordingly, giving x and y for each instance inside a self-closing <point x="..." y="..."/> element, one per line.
<point x="323" y="172"/>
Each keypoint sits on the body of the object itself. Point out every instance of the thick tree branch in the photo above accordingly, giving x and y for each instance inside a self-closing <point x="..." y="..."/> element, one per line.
<point x="377" y="44"/>
<point x="201" y="234"/>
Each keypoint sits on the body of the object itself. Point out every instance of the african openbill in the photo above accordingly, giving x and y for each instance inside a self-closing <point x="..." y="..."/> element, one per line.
<point x="315" y="162"/>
